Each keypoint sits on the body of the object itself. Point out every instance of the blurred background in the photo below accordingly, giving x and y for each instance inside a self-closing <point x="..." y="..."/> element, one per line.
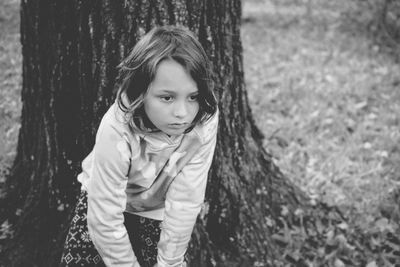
<point x="324" y="86"/>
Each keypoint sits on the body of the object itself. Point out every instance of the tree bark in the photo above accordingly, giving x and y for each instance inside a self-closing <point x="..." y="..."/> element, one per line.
<point x="70" y="52"/>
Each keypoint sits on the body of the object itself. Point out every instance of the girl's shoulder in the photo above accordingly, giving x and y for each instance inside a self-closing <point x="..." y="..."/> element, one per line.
<point x="114" y="117"/>
<point x="114" y="120"/>
<point x="208" y="129"/>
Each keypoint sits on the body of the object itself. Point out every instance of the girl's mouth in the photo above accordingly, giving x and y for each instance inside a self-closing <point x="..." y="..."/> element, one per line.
<point x="177" y="125"/>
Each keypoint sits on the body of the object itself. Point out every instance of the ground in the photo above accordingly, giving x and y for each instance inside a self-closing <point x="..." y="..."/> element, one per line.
<point x="10" y="82"/>
<point x="323" y="91"/>
<point x="326" y="96"/>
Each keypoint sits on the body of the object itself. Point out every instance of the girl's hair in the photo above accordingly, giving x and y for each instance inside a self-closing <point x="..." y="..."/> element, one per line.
<point x="138" y="70"/>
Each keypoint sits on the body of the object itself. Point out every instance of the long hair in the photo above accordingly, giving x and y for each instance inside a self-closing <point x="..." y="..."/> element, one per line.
<point x="138" y="69"/>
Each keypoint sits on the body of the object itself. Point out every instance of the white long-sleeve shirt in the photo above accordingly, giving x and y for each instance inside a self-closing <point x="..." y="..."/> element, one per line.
<point x="151" y="175"/>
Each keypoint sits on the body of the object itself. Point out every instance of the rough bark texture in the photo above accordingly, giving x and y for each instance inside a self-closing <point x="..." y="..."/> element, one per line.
<point x="70" y="52"/>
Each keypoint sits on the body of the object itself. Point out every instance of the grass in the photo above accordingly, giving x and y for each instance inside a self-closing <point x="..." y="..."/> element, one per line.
<point x="327" y="98"/>
<point x="323" y="92"/>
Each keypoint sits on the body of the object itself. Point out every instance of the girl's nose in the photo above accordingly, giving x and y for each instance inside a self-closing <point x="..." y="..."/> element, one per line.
<point x="180" y="109"/>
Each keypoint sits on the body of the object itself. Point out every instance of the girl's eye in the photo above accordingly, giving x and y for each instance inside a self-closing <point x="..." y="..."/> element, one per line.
<point x="193" y="98"/>
<point x="166" y="98"/>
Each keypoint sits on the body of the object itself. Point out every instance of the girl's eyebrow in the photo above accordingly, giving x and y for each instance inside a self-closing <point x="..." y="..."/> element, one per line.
<point x="173" y="92"/>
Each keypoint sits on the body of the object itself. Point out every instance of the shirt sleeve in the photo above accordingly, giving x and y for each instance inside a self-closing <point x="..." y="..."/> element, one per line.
<point x="183" y="203"/>
<point x="107" y="197"/>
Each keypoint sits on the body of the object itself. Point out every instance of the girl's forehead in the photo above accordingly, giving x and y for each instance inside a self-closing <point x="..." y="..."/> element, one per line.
<point x="172" y="75"/>
<point x="168" y="66"/>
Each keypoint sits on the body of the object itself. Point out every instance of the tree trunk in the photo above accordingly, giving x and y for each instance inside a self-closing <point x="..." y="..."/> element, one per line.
<point x="70" y="52"/>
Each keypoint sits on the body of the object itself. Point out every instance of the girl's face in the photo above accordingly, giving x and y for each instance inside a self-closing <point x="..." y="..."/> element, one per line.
<point x="171" y="101"/>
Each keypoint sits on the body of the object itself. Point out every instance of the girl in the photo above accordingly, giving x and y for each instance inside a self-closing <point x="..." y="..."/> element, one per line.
<point x="153" y="150"/>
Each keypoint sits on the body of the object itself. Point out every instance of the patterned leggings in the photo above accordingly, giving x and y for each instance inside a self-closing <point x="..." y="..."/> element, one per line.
<point x="79" y="250"/>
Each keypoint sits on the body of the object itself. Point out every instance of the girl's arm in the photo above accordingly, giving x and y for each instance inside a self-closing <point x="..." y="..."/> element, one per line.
<point x="183" y="202"/>
<point x="107" y="198"/>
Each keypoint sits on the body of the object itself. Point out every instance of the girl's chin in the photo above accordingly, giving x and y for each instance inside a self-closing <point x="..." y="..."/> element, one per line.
<point x="173" y="132"/>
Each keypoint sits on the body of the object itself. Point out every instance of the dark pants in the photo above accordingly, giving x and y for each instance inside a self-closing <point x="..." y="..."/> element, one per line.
<point x="79" y="249"/>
